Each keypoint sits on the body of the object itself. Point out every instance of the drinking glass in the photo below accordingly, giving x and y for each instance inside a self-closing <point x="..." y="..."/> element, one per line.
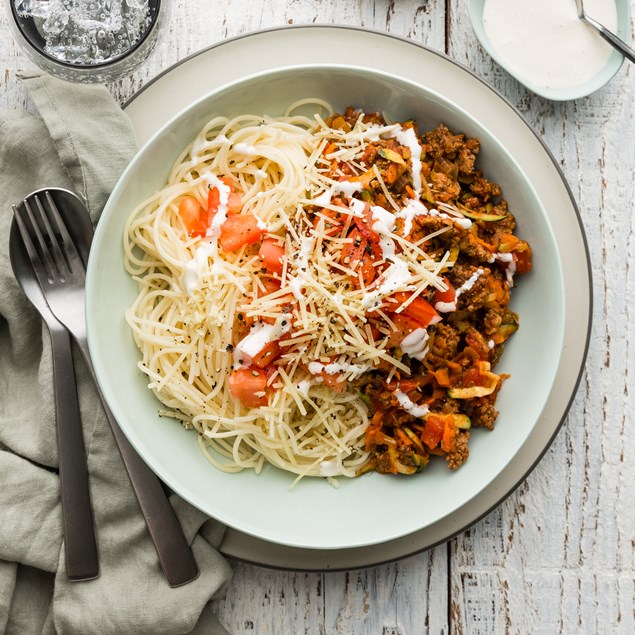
<point x="87" y="40"/>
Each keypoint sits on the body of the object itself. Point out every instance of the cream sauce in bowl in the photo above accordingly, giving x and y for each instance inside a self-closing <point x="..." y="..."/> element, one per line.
<point x="544" y="44"/>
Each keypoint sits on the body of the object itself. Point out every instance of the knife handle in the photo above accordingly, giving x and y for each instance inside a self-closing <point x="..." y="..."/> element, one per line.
<point x="82" y="561"/>
<point x="175" y="554"/>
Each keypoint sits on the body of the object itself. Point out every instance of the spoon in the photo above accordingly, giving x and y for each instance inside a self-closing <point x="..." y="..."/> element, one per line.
<point x="611" y="38"/>
<point x="77" y="515"/>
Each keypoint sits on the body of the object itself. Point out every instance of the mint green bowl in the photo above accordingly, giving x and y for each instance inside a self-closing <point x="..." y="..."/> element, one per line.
<point x="371" y="509"/>
<point x="614" y="63"/>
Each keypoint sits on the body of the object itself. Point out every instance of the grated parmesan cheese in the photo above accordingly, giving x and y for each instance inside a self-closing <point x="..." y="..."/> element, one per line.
<point x="330" y="313"/>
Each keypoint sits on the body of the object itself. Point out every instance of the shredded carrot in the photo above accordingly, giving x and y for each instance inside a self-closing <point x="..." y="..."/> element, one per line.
<point x="330" y="147"/>
<point x="402" y="436"/>
<point x="442" y="376"/>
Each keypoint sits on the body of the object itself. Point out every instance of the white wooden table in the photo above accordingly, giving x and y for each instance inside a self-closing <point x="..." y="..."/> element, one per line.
<point x="558" y="556"/>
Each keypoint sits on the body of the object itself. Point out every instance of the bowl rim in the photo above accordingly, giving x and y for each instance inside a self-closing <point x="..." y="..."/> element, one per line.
<point x="215" y="93"/>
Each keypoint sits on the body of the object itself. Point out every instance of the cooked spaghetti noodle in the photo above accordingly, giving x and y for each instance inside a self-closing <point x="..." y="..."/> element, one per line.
<point x="270" y="285"/>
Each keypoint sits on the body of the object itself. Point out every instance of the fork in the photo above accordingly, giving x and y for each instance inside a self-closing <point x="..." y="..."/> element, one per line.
<point x="610" y="37"/>
<point x="60" y="272"/>
<point x="82" y="558"/>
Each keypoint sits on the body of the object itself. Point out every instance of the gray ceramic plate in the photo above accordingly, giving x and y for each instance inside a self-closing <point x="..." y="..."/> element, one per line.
<point x="186" y="82"/>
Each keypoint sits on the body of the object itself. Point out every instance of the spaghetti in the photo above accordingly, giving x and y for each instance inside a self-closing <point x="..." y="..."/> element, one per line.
<point x="277" y="271"/>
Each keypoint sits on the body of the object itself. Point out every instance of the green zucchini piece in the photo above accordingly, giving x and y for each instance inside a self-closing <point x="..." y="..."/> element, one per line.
<point x="471" y="392"/>
<point x="391" y="155"/>
<point x="482" y="216"/>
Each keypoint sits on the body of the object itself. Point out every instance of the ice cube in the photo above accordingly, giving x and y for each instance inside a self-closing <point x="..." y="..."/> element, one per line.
<point x="90" y="31"/>
<point x="56" y="23"/>
<point x="32" y="8"/>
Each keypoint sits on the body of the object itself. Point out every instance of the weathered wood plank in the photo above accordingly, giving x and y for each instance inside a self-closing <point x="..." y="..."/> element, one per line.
<point x="399" y="599"/>
<point x="558" y="555"/>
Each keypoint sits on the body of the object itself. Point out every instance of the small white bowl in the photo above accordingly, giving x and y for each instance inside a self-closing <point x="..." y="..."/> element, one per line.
<point x="475" y="9"/>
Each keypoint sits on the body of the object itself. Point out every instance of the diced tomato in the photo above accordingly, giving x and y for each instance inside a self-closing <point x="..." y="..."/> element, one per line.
<point x="450" y="433"/>
<point x="433" y="430"/>
<point x="270" y="352"/>
<point x="234" y="203"/>
<point x="238" y="231"/>
<point x="193" y="216"/>
<point x="357" y="256"/>
<point x="404" y="326"/>
<point x="333" y="223"/>
<point x="270" y="284"/>
<point x="419" y="309"/>
<point x="213" y="200"/>
<point x="444" y="296"/>
<point x="442" y="376"/>
<point x="272" y="255"/>
<point x="364" y="224"/>
<point x="333" y="381"/>
<point x="247" y="385"/>
<point x="522" y="260"/>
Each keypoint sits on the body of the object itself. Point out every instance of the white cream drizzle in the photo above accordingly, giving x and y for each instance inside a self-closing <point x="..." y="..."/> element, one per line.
<point x="347" y="188"/>
<point x="213" y="231"/>
<point x="409" y="406"/>
<point x="260" y="334"/>
<point x="200" y="145"/>
<point x="510" y="265"/>
<point x="303" y="387"/>
<point x="246" y="149"/>
<point x="195" y="267"/>
<point x="415" y="344"/>
<point x="409" y="139"/>
<point x="447" y="307"/>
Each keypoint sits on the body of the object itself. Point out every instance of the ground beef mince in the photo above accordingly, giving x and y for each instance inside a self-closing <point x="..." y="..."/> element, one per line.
<point x="426" y="406"/>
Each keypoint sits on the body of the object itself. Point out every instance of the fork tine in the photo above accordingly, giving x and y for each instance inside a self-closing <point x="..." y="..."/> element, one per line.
<point x="43" y="254"/>
<point x="26" y="237"/>
<point x="70" y="250"/>
<point x="53" y="245"/>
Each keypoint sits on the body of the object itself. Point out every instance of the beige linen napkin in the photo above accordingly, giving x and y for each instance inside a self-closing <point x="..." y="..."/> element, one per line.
<point x="82" y="141"/>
